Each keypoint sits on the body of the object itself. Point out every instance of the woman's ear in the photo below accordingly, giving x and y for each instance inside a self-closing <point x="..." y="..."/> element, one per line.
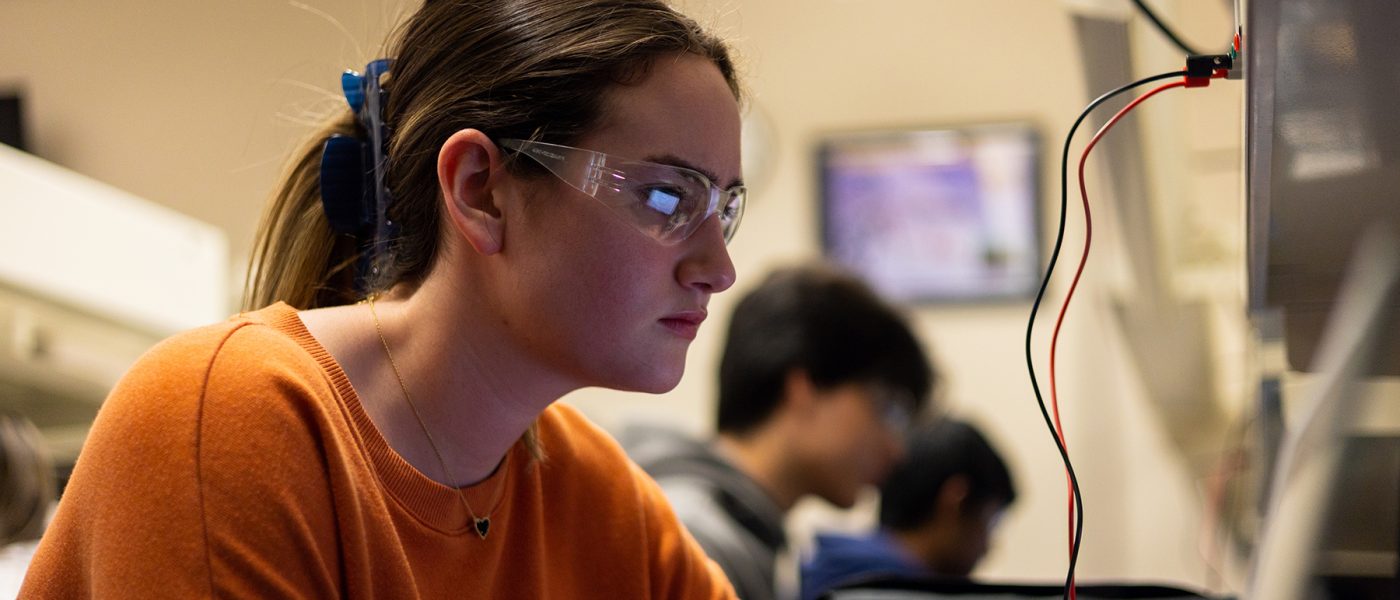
<point x="469" y="172"/>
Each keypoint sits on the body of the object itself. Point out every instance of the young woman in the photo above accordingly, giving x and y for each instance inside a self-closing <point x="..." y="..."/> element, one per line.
<point x="556" y="182"/>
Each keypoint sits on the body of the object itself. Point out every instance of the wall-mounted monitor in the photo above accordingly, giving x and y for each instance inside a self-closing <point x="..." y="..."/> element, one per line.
<point x="935" y="215"/>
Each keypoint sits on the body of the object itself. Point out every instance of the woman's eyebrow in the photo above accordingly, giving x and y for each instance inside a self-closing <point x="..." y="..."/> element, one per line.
<point x="676" y="161"/>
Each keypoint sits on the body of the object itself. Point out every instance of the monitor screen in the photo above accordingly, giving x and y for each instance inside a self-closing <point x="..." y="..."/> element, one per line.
<point x="935" y="215"/>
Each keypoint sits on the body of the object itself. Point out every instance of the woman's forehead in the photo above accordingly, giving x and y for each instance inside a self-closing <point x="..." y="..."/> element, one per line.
<point x="683" y="110"/>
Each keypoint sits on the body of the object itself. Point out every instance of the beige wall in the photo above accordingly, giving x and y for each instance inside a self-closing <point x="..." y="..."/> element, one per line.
<point x="194" y="104"/>
<point x="190" y="104"/>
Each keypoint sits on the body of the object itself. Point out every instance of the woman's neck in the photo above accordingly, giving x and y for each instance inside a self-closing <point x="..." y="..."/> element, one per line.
<point x="475" y="391"/>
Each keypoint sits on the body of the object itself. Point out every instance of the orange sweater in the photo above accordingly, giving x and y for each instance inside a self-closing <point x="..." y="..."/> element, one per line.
<point x="236" y="461"/>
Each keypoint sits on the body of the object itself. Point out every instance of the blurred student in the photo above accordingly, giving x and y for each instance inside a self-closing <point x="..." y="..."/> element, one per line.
<point x="26" y="493"/>
<point x="818" y="381"/>
<point x="938" y="510"/>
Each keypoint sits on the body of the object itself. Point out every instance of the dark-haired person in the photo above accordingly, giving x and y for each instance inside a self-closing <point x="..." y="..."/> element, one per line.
<point x="938" y="510"/>
<point x="551" y="187"/>
<point x="818" y="379"/>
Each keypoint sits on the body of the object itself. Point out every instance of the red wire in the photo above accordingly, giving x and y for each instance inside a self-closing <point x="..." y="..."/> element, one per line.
<point x="1088" y="237"/>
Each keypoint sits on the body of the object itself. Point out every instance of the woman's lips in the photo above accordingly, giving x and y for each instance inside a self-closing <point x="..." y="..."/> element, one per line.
<point x="684" y="324"/>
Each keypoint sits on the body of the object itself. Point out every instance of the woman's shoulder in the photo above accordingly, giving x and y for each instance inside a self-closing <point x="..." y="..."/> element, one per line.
<point x="565" y="431"/>
<point x="583" y="461"/>
<point x="578" y="448"/>
<point x="251" y="340"/>
<point x="241" y="392"/>
<point x="249" y="355"/>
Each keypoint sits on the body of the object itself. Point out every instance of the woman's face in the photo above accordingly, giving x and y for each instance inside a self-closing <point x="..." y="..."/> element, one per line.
<point x="592" y="297"/>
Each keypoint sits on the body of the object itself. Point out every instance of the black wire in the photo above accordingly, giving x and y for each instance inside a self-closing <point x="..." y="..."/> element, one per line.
<point x="1166" y="30"/>
<point x="1035" y="308"/>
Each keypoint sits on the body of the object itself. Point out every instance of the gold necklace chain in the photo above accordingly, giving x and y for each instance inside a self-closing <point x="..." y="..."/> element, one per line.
<point x="482" y="524"/>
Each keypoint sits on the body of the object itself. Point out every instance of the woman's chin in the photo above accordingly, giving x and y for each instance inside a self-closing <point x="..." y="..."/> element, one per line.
<point x="650" y="371"/>
<point x="655" y="383"/>
<point x="653" y="379"/>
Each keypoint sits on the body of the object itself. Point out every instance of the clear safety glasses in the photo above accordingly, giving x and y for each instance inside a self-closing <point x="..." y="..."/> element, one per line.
<point x="665" y="202"/>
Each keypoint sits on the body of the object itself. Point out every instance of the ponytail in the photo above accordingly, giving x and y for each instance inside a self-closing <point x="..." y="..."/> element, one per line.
<point x="296" y="258"/>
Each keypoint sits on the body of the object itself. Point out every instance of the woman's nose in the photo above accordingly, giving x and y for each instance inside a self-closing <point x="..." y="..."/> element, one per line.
<point x="706" y="265"/>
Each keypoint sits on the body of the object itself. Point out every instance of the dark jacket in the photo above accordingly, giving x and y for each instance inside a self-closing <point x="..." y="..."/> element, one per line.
<point x="734" y="520"/>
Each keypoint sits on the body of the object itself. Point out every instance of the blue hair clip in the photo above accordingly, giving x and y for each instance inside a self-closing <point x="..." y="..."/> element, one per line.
<point x="354" y="186"/>
<point x="349" y="210"/>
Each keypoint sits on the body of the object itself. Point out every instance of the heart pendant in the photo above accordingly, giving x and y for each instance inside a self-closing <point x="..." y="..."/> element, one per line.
<point x="483" y="526"/>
